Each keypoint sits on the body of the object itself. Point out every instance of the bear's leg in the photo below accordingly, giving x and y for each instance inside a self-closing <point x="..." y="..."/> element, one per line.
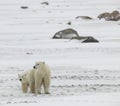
<point x="38" y="82"/>
<point x="40" y="86"/>
<point x="24" y="87"/>
<point x="32" y="87"/>
<point x="46" y="84"/>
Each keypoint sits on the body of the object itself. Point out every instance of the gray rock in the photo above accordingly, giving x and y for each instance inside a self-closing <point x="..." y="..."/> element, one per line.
<point x="114" y="16"/>
<point x="84" y="17"/>
<point x="66" y="34"/>
<point x="45" y="3"/>
<point x="69" y="23"/>
<point x="24" y="7"/>
<point x="104" y="15"/>
<point x="90" y="40"/>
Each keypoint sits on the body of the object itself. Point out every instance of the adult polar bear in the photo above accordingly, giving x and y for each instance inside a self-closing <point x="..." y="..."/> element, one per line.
<point x="35" y="78"/>
<point x="42" y="76"/>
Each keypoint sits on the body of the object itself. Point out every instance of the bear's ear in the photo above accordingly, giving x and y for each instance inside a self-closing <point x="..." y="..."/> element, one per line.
<point x="18" y="75"/>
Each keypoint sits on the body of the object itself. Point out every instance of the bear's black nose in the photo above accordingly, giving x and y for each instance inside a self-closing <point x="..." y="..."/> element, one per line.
<point x="20" y="79"/>
<point x="34" y="67"/>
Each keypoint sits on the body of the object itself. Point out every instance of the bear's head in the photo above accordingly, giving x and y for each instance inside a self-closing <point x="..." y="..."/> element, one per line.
<point x="24" y="83"/>
<point x="23" y="77"/>
<point x="38" y="64"/>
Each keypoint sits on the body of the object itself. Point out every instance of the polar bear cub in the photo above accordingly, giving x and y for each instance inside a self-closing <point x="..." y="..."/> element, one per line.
<point x="27" y="81"/>
<point x="42" y="76"/>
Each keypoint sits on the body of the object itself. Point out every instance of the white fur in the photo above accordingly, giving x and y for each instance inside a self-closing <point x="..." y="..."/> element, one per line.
<point x="42" y="77"/>
<point x="28" y="78"/>
<point x="37" y="77"/>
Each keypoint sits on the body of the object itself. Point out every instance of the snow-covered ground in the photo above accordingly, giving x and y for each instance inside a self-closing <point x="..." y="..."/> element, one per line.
<point x="82" y="74"/>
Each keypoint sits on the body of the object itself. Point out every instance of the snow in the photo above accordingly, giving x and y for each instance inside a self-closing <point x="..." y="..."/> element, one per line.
<point x="89" y="100"/>
<point x="82" y="74"/>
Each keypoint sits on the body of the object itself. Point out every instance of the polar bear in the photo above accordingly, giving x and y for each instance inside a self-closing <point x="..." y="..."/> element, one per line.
<point x="42" y="76"/>
<point x="27" y="81"/>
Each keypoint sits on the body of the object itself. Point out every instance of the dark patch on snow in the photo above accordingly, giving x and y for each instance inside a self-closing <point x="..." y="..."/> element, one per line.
<point x="90" y="40"/>
<point x="24" y="7"/>
<point x="66" y="34"/>
<point x="45" y="3"/>
<point x="113" y="16"/>
<point x="84" y="17"/>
